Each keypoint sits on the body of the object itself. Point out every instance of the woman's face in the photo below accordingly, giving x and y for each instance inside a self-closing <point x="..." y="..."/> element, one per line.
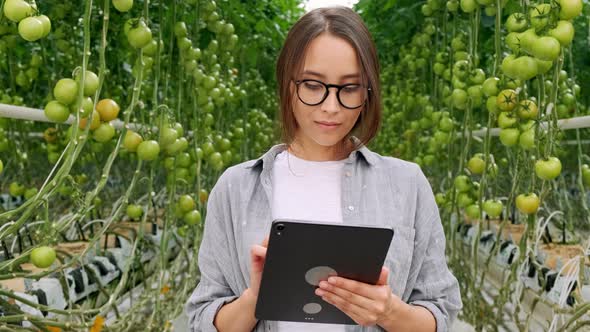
<point x="331" y="60"/>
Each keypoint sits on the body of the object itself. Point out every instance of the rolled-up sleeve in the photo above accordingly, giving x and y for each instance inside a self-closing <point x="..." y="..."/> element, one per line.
<point x="212" y="291"/>
<point x="435" y="288"/>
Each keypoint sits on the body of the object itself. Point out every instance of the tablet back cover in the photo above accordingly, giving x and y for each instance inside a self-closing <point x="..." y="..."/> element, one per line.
<point x="302" y="253"/>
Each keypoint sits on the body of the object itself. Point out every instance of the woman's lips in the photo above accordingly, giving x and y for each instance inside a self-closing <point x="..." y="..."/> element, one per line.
<point x="327" y="125"/>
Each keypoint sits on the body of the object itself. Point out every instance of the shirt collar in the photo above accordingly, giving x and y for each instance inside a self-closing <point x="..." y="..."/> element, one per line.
<point x="271" y="154"/>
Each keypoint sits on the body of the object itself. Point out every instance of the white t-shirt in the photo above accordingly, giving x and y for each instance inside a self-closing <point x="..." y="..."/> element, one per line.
<point x="307" y="190"/>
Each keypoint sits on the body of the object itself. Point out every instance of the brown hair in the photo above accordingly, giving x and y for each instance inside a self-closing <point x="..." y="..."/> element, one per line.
<point x="344" y="23"/>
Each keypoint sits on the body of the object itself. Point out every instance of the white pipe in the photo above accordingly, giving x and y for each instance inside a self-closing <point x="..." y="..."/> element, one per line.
<point x="571" y="123"/>
<point x="33" y="114"/>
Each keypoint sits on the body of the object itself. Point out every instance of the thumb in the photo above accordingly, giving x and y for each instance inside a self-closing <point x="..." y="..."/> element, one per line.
<point x="384" y="276"/>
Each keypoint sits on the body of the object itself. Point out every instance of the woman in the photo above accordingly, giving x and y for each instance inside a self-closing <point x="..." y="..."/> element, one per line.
<point x="328" y="77"/>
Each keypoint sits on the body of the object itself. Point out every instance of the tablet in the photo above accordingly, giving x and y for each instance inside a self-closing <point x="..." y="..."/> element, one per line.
<point x="300" y="254"/>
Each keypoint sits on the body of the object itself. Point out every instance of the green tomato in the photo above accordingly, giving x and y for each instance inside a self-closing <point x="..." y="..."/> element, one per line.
<point x="46" y="24"/>
<point x="493" y="208"/>
<point x="183" y="159"/>
<point x="468" y="6"/>
<point x="527" y="139"/>
<point x="227" y="157"/>
<point x="181" y="144"/>
<point x="123" y="5"/>
<point x="215" y="158"/>
<point x="527" y="38"/>
<point x="207" y="148"/>
<point x="182" y="230"/>
<point x="527" y="204"/>
<point x="490" y="86"/>
<point x="544" y="66"/>
<point x="439" y="68"/>
<point x="16" y="10"/>
<point x="506" y="100"/>
<point x="199" y="154"/>
<point x="182" y="173"/>
<point x="462" y="183"/>
<point x="509" y="136"/>
<point x="459" y="98"/>
<point x="563" y="32"/>
<point x="1" y="166"/>
<point x="31" y="29"/>
<point x="548" y="169"/>
<point x="42" y="257"/>
<point x="516" y="22"/>
<point x="473" y="211"/>
<point x="150" y="49"/>
<point x="528" y="110"/>
<point x="66" y="91"/>
<point x="478" y="76"/>
<point x="139" y="36"/>
<point x="506" y="120"/>
<point x="134" y="211"/>
<point x="56" y="111"/>
<point x="491" y="104"/>
<point x="184" y="44"/>
<point x="452" y="6"/>
<point x="546" y="48"/>
<point x="90" y="82"/>
<point x="104" y="133"/>
<point x="30" y="193"/>
<point x="180" y="29"/>
<point x="16" y="189"/>
<point x="192" y="217"/>
<point x="513" y="41"/>
<point x="148" y="150"/>
<point x="464" y="200"/>
<point x="186" y="203"/>
<point x="525" y="68"/>
<point x="539" y="15"/>
<point x="132" y="140"/>
<point x="569" y="9"/>
<point x="440" y="199"/>
<point x="476" y="164"/>
<point x="168" y="136"/>
<point x="85" y="109"/>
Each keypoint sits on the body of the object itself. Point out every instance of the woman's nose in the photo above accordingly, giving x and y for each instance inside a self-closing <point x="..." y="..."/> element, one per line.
<point x="331" y="103"/>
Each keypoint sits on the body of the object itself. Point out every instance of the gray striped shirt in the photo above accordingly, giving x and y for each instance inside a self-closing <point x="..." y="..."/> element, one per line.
<point x="376" y="190"/>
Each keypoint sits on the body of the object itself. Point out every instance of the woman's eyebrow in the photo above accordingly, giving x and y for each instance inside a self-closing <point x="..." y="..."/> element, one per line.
<point x="314" y="73"/>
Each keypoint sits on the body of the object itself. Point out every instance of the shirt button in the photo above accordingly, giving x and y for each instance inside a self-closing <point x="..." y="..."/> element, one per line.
<point x="351" y="208"/>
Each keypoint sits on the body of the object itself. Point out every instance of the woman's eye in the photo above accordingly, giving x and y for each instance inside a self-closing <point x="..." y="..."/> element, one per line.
<point x="312" y="86"/>
<point x="351" y="88"/>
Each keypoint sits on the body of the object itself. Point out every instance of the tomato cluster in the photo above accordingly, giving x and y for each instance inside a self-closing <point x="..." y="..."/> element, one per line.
<point x="477" y="93"/>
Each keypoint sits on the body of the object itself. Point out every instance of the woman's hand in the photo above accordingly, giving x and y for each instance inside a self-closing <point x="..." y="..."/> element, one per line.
<point x="366" y="304"/>
<point x="257" y="259"/>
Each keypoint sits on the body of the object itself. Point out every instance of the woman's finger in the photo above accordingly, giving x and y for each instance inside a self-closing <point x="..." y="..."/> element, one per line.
<point x="358" y="314"/>
<point x="384" y="276"/>
<point x="258" y="256"/>
<point x="349" y="296"/>
<point x="265" y="242"/>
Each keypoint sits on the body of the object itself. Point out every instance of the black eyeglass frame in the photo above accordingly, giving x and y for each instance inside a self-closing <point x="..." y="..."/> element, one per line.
<point x="328" y="86"/>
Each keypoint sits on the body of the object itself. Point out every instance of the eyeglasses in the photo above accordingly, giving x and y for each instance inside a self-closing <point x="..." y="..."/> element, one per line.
<point x="314" y="92"/>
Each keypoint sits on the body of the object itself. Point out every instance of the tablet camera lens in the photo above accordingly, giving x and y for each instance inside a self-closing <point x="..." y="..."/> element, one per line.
<point x="280" y="227"/>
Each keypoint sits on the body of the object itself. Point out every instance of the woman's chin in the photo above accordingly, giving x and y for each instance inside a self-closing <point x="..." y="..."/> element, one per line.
<point x="327" y="140"/>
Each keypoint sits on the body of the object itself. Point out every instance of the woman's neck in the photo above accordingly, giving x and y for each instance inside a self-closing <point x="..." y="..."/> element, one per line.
<point x="314" y="152"/>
